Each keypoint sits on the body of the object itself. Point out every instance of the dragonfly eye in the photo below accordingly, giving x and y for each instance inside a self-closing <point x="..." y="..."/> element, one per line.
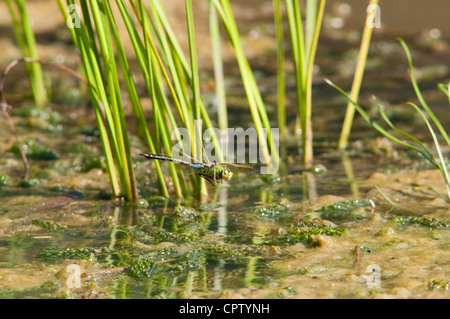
<point x="226" y="174"/>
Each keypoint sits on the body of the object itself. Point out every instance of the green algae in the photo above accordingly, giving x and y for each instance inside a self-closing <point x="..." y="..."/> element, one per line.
<point x="49" y="225"/>
<point x="34" y="149"/>
<point x="28" y="183"/>
<point x="166" y="261"/>
<point x="156" y="236"/>
<point x="303" y="231"/>
<point x="421" y="221"/>
<point x="84" y="253"/>
<point x="347" y="210"/>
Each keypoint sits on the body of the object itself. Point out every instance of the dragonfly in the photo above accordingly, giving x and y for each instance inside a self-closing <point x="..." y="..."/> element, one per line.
<point x="212" y="172"/>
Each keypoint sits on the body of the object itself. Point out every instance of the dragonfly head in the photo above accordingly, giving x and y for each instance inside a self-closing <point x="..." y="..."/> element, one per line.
<point x="226" y="174"/>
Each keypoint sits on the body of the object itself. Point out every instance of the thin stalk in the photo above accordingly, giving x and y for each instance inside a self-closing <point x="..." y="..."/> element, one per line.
<point x="179" y="59"/>
<point x="25" y="38"/>
<point x="445" y="88"/>
<point x="197" y="149"/>
<point x="441" y="164"/>
<point x="303" y="53"/>
<point x="281" y="97"/>
<point x="357" y="79"/>
<point x="103" y="132"/>
<point x="421" y="149"/>
<point x="134" y="98"/>
<point x="256" y="105"/>
<point x="125" y="171"/>
<point x="308" y="147"/>
<point x="298" y="57"/>
<point x="157" y="111"/>
<point x="419" y="94"/>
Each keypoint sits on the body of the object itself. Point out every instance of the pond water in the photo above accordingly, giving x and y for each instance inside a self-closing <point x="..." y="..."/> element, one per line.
<point x="372" y="222"/>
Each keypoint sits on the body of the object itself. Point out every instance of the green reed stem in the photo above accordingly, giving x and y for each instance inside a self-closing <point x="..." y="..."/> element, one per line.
<point x="281" y="97"/>
<point x="195" y="85"/>
<point x="101" y="72"/>
<point x="179" y="60"/>
<point x="27" y="43"/>
<point x="421" y="149"/>
<point x="357" y="80"/>
<point x="123" y="153"/>
<point x="256" y="104"/>
<point x="441" y="164"/>
<point x="98" y="96"/>
<point x="308" y="147"/>
<point x="133" y="96"/>
<point x="155" y="92"/>
<point x="303" y="53"/>
<point x="419" y="94"/>
<point x="310" y="22"/>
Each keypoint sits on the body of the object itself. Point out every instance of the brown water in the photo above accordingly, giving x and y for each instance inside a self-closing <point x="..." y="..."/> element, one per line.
<point x="295" y="235"/>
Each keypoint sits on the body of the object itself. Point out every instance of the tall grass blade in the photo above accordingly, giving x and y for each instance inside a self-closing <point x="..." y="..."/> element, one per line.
<point x="256" y="104"/>
<point x="281" y="85"/>
<point x="441" y="164"/>
<point x="424" y="152"/>
<point x="180" y="63"/>
<point x="24" y="35"/>
<point x="419" y="94"/>
<point x="197" y="137"/>
<point x="303" y="49"/>
<point x="357" y="79"/>
<point x="421" y="148"/>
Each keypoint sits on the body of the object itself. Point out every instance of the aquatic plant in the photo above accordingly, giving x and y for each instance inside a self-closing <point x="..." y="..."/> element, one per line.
<point x="165" y="68"/>
<point x="24" y="34"/>
<point x="49" y="225"/>
<point x="345" y="210"/>
<point x="255" y="101"/>
<point x="86" y="253"/>
<point x="162" y="63"/>
<point x="364" y="49"/>
<point x="421" y="221"/>
<point x="304" y="46"/>
<point x="34" y="149"/>
<point x="103" y="83"/>
<point x="424" y="112"/>
<point x="166" y="261"/>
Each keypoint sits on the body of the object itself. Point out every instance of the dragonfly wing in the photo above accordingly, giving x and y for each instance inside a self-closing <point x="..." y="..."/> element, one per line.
<point x="210" y="179"/>
<point x="244" y="168"/>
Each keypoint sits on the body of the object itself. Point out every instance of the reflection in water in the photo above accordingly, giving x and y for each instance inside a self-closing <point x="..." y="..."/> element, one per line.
<point x="222" y="221"/>
<point x="349" y="172"/>
<point x="219" y="272"/>
<point x="310" y="181"/>
<point x="114" y="219"/>
<point x="222" y="210"/>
